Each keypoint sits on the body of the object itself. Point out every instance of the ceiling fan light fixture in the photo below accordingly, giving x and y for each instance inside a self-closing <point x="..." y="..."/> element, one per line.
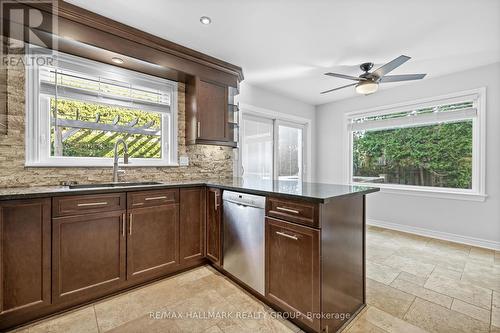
<point x="366" y="87"/>
<point x="205" y="20"/>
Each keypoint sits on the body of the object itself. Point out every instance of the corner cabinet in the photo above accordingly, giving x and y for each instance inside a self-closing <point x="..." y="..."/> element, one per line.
<point x="214" y="231"/>
<point x="211" y="116"/>
<point x="192" y="224"/>
<point x="25" y="257"/>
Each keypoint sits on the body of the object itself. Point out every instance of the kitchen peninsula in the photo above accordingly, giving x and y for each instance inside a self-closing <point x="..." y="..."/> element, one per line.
<point x="64" y="247"/>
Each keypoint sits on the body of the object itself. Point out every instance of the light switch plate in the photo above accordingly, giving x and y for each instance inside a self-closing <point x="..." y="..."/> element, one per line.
<point x="183" y="160"/>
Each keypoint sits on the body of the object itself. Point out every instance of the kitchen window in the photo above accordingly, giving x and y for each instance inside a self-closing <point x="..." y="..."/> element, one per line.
<point x="78" y="108"/>
<point x="435" y="145"/>
<point x="272" y="148"/>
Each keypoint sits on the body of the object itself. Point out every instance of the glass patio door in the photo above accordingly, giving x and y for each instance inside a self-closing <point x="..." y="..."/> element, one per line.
<point x="257" y="148"/>
<point x="289" y="151"/>
<point x="272" y="149"/>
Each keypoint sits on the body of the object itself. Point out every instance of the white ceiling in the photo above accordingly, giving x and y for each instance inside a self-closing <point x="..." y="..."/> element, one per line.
<point x="286" y="45"/>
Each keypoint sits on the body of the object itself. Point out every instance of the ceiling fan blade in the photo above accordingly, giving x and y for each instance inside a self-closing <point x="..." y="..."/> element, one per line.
<point x="348" y="77"/>
<point x="404" y="77"/>
<point x="390" y="66"/>
<point x="349" y="85"/>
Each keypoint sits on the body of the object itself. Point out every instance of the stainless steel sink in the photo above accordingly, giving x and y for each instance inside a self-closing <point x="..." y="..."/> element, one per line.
<point x="119" y="184"/>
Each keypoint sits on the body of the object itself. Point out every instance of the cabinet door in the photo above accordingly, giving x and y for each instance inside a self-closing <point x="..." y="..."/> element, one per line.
<point x="212" y="111"/>
<point x="88" y="255"/>
<point x="152" y="244"/>
<point x="292" y="269"/>
<point x="214" y="225"/>
<point x="24" y="256"/>
<point x="192" y="224"/>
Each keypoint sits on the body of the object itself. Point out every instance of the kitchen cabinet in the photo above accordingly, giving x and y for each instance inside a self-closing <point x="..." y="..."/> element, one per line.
<point x="24" y="256"/>
<point x="293" y="269"/>
<point x="103" y="243"/>
<point x="192" y="224"/>
<point x="213" y="234"/>
<point x="153" y="234"/>
<point x="209" y="116"/>
<point x="88" y="255"/>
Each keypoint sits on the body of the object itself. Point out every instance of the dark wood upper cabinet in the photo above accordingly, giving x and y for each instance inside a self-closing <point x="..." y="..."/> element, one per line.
<point x="88" y="255"/>
<point x="25" y="256"/>
<point x="207" y="113"/>
<point x="214" y="232"/>
<point x="212" y="111"/>
<point x="192" y="224"/>
<point x="293" y="269"/>
<point x="152" y="239"/>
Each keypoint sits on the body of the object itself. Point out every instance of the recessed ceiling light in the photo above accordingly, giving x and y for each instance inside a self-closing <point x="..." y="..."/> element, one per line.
<point x="117" y="60"/>
<point x="205" y="20"/>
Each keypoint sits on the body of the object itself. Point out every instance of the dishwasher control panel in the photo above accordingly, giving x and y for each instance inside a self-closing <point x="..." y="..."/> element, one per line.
<point x="244" y="199"/>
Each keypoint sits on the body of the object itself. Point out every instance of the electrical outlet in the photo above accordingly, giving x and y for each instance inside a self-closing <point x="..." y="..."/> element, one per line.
<point x="183" y="160"/>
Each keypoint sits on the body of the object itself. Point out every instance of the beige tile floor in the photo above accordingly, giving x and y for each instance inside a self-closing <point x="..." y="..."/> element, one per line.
<point x="414" y="284"/>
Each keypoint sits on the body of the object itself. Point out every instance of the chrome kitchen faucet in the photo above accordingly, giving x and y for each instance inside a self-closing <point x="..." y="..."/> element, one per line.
<point x="116" y="170"/>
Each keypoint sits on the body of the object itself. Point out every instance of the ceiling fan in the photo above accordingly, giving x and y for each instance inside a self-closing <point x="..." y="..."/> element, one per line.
<point x="367" y="83"/>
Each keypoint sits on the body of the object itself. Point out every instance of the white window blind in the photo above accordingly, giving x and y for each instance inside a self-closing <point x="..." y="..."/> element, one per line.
<point x="64" y="83"/>
<point x="446" y="111"/>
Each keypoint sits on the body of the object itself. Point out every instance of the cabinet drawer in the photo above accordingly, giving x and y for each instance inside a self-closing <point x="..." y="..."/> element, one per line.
<point x="298" y="211"/>
<point x="84" y="204"/>
<point x="152" y="198"/>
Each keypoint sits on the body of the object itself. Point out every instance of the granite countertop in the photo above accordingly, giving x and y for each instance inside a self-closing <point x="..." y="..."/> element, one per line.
<point x="316" y="192"/>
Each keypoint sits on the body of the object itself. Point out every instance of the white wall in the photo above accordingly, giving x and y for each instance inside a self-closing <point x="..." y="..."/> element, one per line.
<point x="264" y="99"/>
<point x="466" y="221"/>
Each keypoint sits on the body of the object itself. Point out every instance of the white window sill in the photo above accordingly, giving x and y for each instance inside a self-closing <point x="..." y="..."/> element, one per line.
<point x="428" y="193"/>
<point x="96" y="165"/>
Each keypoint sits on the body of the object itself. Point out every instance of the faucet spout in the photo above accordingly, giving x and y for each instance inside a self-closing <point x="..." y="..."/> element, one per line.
<point x="115" y="158"/>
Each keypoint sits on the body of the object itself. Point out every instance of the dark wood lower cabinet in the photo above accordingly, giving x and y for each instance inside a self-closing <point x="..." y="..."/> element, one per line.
<point x="152" y="241"/>
<point x="214" y="230"/>
<point x="24" y="256"/>
<point x="192" y="224"/>
<point x="88" y="255"/>
<point x="314" y="272"/>
<point x="293" y="270"/>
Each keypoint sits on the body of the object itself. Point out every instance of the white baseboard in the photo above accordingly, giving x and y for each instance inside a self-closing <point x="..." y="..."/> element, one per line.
<point x="484" y="243"/>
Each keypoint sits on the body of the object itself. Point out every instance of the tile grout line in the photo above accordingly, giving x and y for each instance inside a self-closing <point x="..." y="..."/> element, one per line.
<point x="95" y="317"/>
<point x="409" y="308"/>
<point x="491" y="312"/>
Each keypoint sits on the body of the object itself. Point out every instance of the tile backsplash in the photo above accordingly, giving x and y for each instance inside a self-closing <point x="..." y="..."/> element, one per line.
<point x="204" y="161"/>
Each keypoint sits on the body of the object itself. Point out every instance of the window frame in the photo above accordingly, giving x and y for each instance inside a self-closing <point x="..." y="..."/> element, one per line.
<point x="477" y="192"/>
<point x="37" y="136"/>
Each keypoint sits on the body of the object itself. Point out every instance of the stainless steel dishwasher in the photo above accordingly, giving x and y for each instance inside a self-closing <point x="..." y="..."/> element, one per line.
<point x="243" y="251"/>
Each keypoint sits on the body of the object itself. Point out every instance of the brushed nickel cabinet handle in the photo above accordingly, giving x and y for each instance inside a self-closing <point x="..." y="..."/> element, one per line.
<point x="138" y="204"/>
<point x="288" y="210"/>
<point x="215" y="201"/>
<point x="92" y="204"/>
<point x="286" y="235"/>
<point x="123" y="225"/>
<point x="130" y="224"/>
<point x="199" y="129"/>
<point x="155" y="198"/>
